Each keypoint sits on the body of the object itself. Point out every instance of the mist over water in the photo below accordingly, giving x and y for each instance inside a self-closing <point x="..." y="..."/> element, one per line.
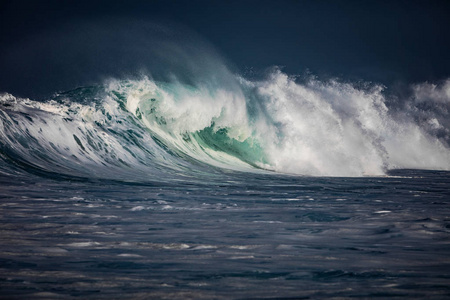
<point x="87" y="52"/>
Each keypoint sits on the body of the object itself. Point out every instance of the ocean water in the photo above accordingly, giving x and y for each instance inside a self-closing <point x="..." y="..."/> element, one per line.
<point x="277" y="188"/>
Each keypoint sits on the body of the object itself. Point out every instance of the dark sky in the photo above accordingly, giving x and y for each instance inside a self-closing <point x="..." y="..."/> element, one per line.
<point x="381" y="41"/>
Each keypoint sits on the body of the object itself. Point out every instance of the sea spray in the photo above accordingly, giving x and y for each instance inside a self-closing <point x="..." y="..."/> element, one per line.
<point x="334" y="128"/>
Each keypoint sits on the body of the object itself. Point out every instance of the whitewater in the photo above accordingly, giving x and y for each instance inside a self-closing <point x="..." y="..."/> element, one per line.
<point x="204" y="183"/>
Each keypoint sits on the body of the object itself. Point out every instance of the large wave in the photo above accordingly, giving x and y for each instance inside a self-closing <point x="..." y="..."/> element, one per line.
<point x="145" y="129"/>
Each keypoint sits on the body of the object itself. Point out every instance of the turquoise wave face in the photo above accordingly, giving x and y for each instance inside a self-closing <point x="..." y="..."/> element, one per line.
<point x="248" y="150"/>
<point x="215" y="135"/>
<point x="150" y="130"/>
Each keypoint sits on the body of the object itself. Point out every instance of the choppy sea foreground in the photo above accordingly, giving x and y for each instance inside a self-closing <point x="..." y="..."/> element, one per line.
<point x="250" y="237"/>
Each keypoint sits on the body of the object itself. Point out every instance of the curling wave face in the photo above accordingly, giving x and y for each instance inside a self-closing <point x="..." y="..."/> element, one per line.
<point x="148" y="130"/>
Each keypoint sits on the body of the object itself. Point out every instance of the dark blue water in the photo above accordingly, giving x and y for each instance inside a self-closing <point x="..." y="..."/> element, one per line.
<point x="246" y="236"/>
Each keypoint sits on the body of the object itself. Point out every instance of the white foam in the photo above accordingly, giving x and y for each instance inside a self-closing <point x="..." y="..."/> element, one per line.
<point x="138" y="208"/>
<point x="83" y="244"/>
<point x="333" y="128"/>
<point x="129" y="255"/>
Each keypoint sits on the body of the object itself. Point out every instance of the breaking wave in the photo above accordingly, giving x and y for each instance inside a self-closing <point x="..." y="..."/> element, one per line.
<point x="146" y="129"/>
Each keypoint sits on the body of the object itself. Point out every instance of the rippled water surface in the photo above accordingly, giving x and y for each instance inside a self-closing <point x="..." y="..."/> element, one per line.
<point x="248" y="236"/>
